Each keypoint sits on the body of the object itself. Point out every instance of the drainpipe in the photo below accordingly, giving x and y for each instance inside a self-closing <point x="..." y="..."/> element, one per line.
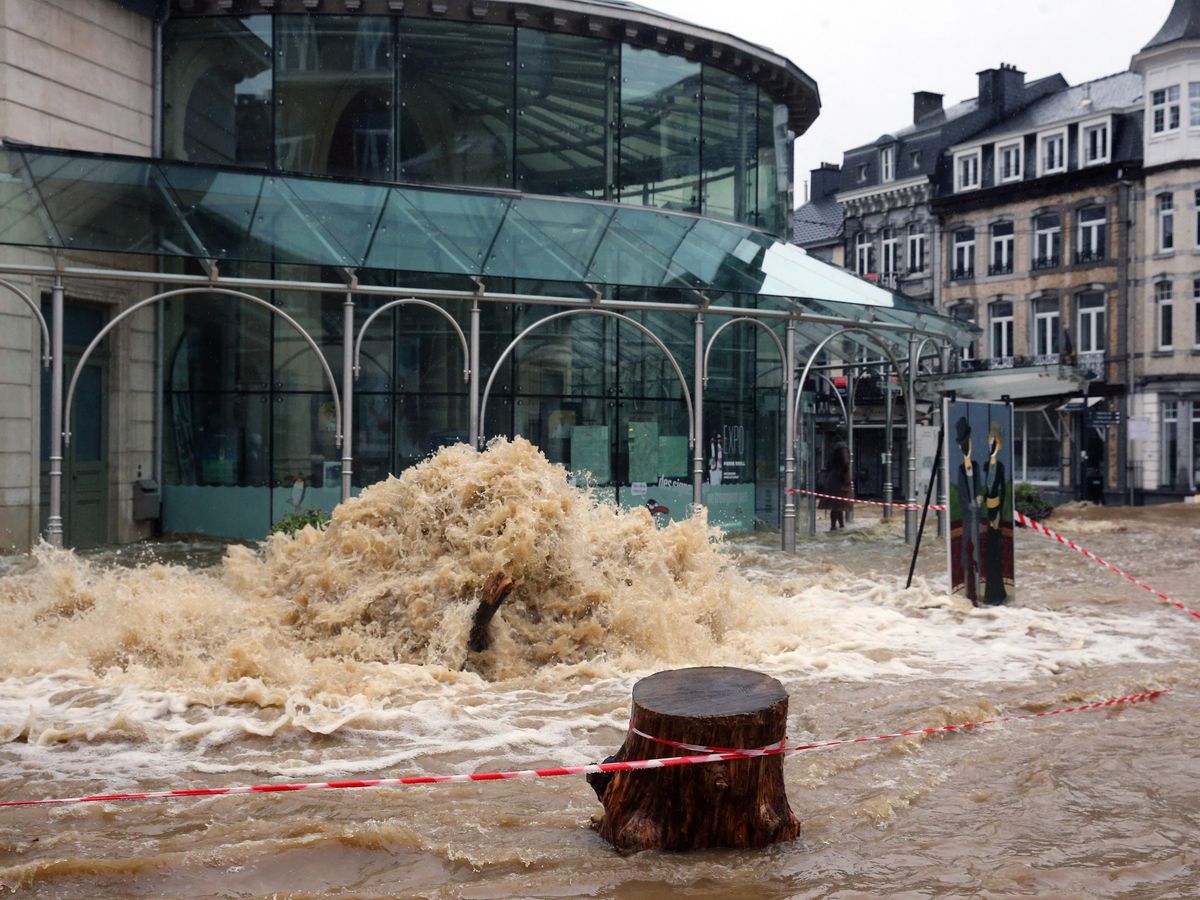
<point x="1126" y="237"/>
<point x="473" y="363"/>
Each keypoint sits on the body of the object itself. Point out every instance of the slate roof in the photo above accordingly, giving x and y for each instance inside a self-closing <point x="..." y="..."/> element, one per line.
<point x="817" y="221"/>
<point x="1183" y="24"/>
<point x="1113" y="93"/>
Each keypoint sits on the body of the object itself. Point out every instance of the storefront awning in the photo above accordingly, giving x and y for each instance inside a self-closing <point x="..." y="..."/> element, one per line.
<point x="72" y="201"/>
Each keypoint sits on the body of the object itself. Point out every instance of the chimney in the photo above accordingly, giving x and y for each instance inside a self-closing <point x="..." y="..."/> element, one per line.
<point x="1002" y="89"/>
<point x="825" y="180"/>
<point x="925" y="103"/>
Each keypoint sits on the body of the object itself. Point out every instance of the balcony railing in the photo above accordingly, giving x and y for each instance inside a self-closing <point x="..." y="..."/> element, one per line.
<point x="962" y="274"/>
<point x="1088" y="256"/>
<point x="1093" y="361"/>
<point x="1004" y="268"/>
<point x="889" y="279"/>
<point x="1046" y="262"/>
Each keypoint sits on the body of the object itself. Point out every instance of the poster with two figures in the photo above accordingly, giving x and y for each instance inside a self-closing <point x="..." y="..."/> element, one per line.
<point x="979" y="472"/>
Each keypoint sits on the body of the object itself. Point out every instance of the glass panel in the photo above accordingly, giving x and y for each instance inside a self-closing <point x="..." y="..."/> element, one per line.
<point x="349" y="211"/>
<point x="547" y="239"/>
<point x="216" y="343"/>
<point x="568" y="357"/>
<point x="216" y="438"/>
<point x="566" y="107"/>
<point x="23" y="220"/>
<point x="217" y="90"/>
<point x="660" y="130"/>
<point x="436" y="231"/>
<point x="427" y="422"/>
<point x="730" y="146"/>
<point x="116" y="205"/>
<point x="456" y="111"/>
<point x="333" y="86"/>
<point x="304" y="454"/>
<point x="296" y="367"/>
<point x="772" y="166"/>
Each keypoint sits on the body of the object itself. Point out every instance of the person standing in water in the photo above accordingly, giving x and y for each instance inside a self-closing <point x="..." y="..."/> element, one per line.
<point x="838" y="481"/>
<point x="970" y="500"/>
<point x="994" y="484"/>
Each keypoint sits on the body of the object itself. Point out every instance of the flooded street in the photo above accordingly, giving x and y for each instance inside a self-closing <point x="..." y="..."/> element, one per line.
<point x="343" y="655"/>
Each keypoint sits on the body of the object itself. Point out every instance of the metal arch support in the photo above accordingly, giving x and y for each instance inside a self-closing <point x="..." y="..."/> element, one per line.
<point x="47" y="354"/>
<point x="413" y="301"/>
<point x="687" y="395"/>
<point x="812" y="358"/>
<point x="836" y="396"/>
<point x="760" y="323"/>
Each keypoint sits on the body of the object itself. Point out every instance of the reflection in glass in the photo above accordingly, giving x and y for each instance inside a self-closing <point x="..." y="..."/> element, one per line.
<point x="456" y="109"/>
<point x="566" y="106"/>
<point x="217" y="90"/>
<point x="334" y="84"/>
<point x="773" y="165"/>
<point x="730" y="146"/>
<point x="660" y="130"/>
<point x="216" y="438"/>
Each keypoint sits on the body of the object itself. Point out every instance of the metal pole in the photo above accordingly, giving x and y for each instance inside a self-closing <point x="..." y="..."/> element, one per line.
<point x="851" y="388"/>
<point x="943" y="516"/>
<point x="888" y="408"/>
<point x="789" y="430"/>
<point x="473" y="364"/>
<point x="910" y="424"/>
<point x="698" y="420"/>
<point x="54" y="523"/>
<point x="347" y="395"/>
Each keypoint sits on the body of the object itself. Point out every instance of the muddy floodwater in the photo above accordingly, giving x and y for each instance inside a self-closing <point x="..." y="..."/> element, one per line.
<point x="343" y="655"/>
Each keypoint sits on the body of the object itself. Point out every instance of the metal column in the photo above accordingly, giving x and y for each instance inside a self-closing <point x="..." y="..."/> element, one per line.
<point x="910" y="423"/>
<point x="943" y="490"/>
<point x="347" y="394"/>
<point x="851" y="387"/>
<point x="54" y="523"/>
<point x="889" y="405"/>
<point x="789" y="430"/>
<point x="473" y="363"/>
<point x="698" y="420"/>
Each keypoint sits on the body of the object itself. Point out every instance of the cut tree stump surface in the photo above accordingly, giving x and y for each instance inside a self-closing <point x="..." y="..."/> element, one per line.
<point x="731" y="803"/>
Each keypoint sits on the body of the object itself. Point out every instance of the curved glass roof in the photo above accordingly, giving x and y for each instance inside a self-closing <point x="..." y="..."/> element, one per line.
<point x="74" y="201"/>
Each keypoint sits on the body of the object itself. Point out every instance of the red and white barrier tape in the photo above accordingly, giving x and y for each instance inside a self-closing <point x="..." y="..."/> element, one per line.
<point x="627" y="766"/>
<point x="933" y="506"/>
<point x="1067" y="542"/>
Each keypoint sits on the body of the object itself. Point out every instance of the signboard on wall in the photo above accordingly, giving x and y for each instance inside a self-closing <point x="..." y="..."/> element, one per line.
<point x="979" y="473"/>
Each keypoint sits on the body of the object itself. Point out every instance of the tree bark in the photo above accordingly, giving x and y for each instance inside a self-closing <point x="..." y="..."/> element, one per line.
<point x="735" y="803"/>
<point x="498" y="587"/>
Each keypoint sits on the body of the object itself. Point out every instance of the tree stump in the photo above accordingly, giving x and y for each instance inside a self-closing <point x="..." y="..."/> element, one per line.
<point x="734" y="803"/>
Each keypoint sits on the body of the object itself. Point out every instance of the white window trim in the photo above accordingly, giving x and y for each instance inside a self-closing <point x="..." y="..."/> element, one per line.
<point x="1000" y="148"/>
<point x="977" y="154"/>
<point x="1106" y="122"/>
<point x="887" y="164"/>
<point x="1159" y="304"/>
<point x="1161" y="215"/>
<point x="1045" y="322"/>
<point x="1090" y="315"/>
<point x="1043" y="135"/>
<point x="915" y="240"/>
<point x="1166" y="105"/>
<point x="1196" y="313"/>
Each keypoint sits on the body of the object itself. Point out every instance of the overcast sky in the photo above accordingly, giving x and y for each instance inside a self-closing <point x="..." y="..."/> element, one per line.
<point x="869" y="56"/>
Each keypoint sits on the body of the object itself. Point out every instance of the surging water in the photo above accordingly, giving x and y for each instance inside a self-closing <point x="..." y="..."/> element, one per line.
<point x="343" y="653"/>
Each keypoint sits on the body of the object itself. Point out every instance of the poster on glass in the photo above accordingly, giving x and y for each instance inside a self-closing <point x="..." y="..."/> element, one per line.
<point x="979" y="473"/>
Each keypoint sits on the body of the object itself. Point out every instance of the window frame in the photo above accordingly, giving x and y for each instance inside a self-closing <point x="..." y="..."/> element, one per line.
<point x="965" y="312"/>
<point x="1164" y="207"/>
<point x="1004" y="240"/>
<point x="966" y="248"/>
<point x="1164" y="315"/>
<point x="1049" y="260"/>
<point x="1166" y="106"/>
<point x="887" y="164"/>
<point x="1090" y="322"/>
<point x="1196" y="316"/>
<point x="916" y="239"/>
<point x="1047" y="324"/>
<point x="863" y="246"/>
<point x="1057" y="134"/>
<point x="890" y="246"/>
<point x="1103" y="124"/>
<point x="974" y="157"/>
<point x="1000" y="326"/>
<point x="1091" y="237"/>
<point x="1019" y="146"/>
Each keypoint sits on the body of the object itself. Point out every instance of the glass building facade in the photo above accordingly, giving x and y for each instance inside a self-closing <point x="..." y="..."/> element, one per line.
<point x="249" y="434"/>
<point x="467" y="104"/>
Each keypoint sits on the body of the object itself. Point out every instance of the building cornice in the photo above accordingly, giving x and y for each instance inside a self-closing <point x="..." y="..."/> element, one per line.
<point x="893" y="193"/>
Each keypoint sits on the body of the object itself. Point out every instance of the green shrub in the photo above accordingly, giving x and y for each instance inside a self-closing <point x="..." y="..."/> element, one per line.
<point x="1028" y="499"/>
<point x="293" y="522"/>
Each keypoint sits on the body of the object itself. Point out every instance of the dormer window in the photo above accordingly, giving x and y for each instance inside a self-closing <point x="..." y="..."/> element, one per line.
<point x="862" y="173"/>
<point x="1094" y="143"/>
<point x="1164" y="109"/>
<point x="887" y="159"/>
<point x="1008" y="161"/>
<point x="915" y="159"/>
<point x="1052" y="155"/>
<point x="966" y="170"/>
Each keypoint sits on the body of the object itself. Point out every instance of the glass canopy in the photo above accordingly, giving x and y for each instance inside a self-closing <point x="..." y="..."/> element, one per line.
<point x="75" y="201"/>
